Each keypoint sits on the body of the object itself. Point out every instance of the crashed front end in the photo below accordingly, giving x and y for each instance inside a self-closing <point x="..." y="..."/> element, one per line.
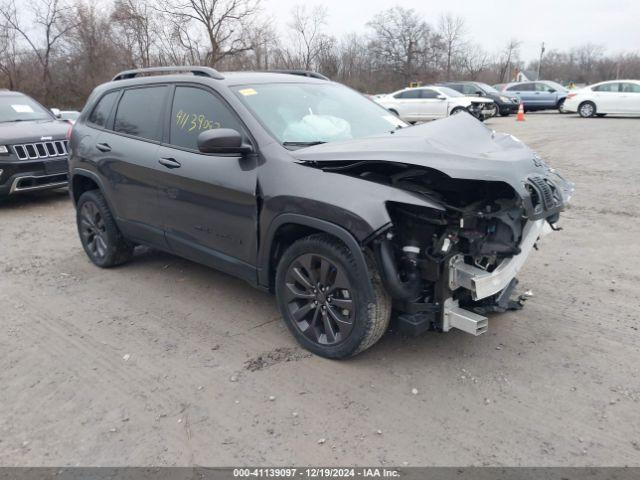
<point x="487" y="199"/>
<point x="449" y="268"/>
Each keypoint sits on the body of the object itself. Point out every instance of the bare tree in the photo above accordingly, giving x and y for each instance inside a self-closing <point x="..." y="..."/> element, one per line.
<point x="399" y="40"/>
<point x="224" y="23"/>
<point x="452" y="29"/>
<point x="135" y="21"/>
<point x="308" y="39"/>
<point x="507" y="58"/>
<point x="50" y="25"/>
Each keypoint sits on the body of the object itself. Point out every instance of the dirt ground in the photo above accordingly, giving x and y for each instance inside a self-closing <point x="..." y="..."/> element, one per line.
<point x="165" y="362"/>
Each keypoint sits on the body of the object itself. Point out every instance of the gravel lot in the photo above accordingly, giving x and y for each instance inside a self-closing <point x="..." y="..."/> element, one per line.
<point x="165" y="362"/>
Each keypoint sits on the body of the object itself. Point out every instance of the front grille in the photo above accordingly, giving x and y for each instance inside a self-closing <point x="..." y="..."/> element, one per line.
<point x="33" y="151"/>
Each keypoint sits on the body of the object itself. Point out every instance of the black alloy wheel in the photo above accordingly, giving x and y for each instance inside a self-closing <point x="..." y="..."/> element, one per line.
<point x="318" y="295"/>
<point x="93" y="229"/>
<point x="101" y="239"/>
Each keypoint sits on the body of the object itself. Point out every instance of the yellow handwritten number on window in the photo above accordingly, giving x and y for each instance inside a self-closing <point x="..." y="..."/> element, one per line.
<point x="191" y="121"/>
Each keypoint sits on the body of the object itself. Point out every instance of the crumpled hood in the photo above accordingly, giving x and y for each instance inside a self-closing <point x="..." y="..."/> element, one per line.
<point x="12" y="133"/>
<point x="459" y="146"/>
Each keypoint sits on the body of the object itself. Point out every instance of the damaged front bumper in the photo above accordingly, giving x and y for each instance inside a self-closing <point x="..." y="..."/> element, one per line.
<point x="483" y="284"/>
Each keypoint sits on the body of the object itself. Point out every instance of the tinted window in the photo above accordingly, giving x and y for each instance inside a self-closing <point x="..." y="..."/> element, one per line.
<point x="196" y="110"/>
<point x="456" y="86"/>
<point x="606" y="87"/>
<point x="139" y="112"/>
<point x="428" y="93"/>
<point x="522" y="87"/>
<point x="102" y="110"/>
<point x="630" y="88"/>
<point x="409" y="94"/>
<point x="470" y="89"/>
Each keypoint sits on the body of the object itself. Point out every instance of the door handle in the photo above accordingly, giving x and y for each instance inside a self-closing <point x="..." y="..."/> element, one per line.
<point x="103" y="147"/>
<point x="169" y="162"/>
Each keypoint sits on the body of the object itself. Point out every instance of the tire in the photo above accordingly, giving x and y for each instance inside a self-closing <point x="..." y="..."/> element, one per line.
<point x="600" y="115"/>
<point x="505" y="114"/>
<point x="560" y="106"/>
<point x="587" y="109"/>
<point x="321" y="261"/>
<point x="457" y="110"/>
<point x="100" y="237"/>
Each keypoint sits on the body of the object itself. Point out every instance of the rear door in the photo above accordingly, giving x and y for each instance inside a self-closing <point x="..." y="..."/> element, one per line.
<point x="607" y="97"/>
<point x="525" y="92"/>
<point x="208" y="200"/>
<point x="408" y="103"/>
<point x="127" y="152"/>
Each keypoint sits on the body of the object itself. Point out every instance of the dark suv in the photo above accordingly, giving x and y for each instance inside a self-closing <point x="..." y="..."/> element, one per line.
<point x="33" y="147"/>
<point x="306" y="188"/>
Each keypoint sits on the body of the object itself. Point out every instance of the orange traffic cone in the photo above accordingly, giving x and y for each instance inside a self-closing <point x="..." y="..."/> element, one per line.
<point x="520" y="116"/>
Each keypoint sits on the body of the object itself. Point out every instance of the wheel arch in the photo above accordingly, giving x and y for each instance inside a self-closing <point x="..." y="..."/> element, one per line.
<point x="85" y="180"/>
<point x="287" y="228"/>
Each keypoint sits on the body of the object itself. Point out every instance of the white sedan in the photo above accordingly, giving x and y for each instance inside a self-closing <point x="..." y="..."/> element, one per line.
<point x="428" y="103"/>
<point x="620" y="97"/>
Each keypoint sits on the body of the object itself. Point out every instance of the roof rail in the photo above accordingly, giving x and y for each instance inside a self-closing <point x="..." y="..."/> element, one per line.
<point x="302" y="73"/>
<point x="197" y="71"/>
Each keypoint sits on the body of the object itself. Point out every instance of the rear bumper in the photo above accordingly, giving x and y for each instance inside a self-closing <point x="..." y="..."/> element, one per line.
<point x="483" y="284"/>
<point x="27" y="176"/>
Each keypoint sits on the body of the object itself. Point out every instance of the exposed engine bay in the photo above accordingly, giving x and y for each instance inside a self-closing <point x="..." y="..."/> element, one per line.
<point x="446" y="268"/>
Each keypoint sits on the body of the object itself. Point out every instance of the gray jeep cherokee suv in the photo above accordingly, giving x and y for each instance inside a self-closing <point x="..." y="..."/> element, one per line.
<point x="33" y="147"/>
<point x="305" y="188"/>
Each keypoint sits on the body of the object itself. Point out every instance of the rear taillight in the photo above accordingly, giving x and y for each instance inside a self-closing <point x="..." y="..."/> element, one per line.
<point x="68" y="135"/>
<point x="571" y="95"/>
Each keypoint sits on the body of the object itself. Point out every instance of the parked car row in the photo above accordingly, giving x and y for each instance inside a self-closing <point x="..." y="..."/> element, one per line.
<point x="419" y="104"/>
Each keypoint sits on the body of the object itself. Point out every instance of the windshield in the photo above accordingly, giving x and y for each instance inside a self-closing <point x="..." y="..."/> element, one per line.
<point x="17" y="108"/>
<point x="300" y="114"/>
<point x="450" y="92"/>
<point x="487" y="88"/>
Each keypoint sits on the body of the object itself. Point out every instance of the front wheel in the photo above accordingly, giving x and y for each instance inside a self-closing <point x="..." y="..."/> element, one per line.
<point x="325" y="303"/>
<point x="101" y="239"/>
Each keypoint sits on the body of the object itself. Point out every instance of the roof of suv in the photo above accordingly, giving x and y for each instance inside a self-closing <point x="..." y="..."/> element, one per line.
<point x="225" y="78"/>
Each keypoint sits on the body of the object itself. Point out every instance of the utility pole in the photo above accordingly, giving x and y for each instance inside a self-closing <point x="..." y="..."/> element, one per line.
<point x="540" y="61"/>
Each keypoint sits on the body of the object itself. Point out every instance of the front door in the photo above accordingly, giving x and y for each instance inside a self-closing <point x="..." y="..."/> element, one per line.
<point x="434" y="105"/>
<point x="543" y="97"/>
<point x="209" y="201"/>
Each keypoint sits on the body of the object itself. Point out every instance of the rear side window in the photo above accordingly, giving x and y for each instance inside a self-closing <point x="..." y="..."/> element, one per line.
<point x="606" y="87"/>
<point x="102" y="110"/>
<point x="139" y="112"/>
<point x="194" y="111"/>
<point x="408" y="94"/>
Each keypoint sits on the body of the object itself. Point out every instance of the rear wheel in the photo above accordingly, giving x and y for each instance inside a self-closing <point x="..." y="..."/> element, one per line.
<point x="101" y="239"/>
<point x="587" y="109"/>
<point x="325" y="303"/>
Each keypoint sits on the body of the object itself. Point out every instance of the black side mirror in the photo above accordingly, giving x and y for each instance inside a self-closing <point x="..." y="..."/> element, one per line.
<point x="479" y="93"/>
<point x="441" y="97"/>
<point x="551" y="90"/>
<point x="222" y="140"/>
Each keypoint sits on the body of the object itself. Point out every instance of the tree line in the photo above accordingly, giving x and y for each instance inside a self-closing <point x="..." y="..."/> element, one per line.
<point x="59" y="50"/>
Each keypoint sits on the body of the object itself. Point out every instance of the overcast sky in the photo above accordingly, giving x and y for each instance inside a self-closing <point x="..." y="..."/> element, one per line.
<point x="561" y="24"/>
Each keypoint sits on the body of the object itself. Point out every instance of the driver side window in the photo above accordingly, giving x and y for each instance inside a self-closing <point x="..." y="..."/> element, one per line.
<point x="194" y="111"/>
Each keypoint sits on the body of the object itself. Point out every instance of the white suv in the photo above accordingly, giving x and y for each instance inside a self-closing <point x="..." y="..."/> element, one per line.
<point x="429" y="103"/>
<point x="617" y="96"/>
